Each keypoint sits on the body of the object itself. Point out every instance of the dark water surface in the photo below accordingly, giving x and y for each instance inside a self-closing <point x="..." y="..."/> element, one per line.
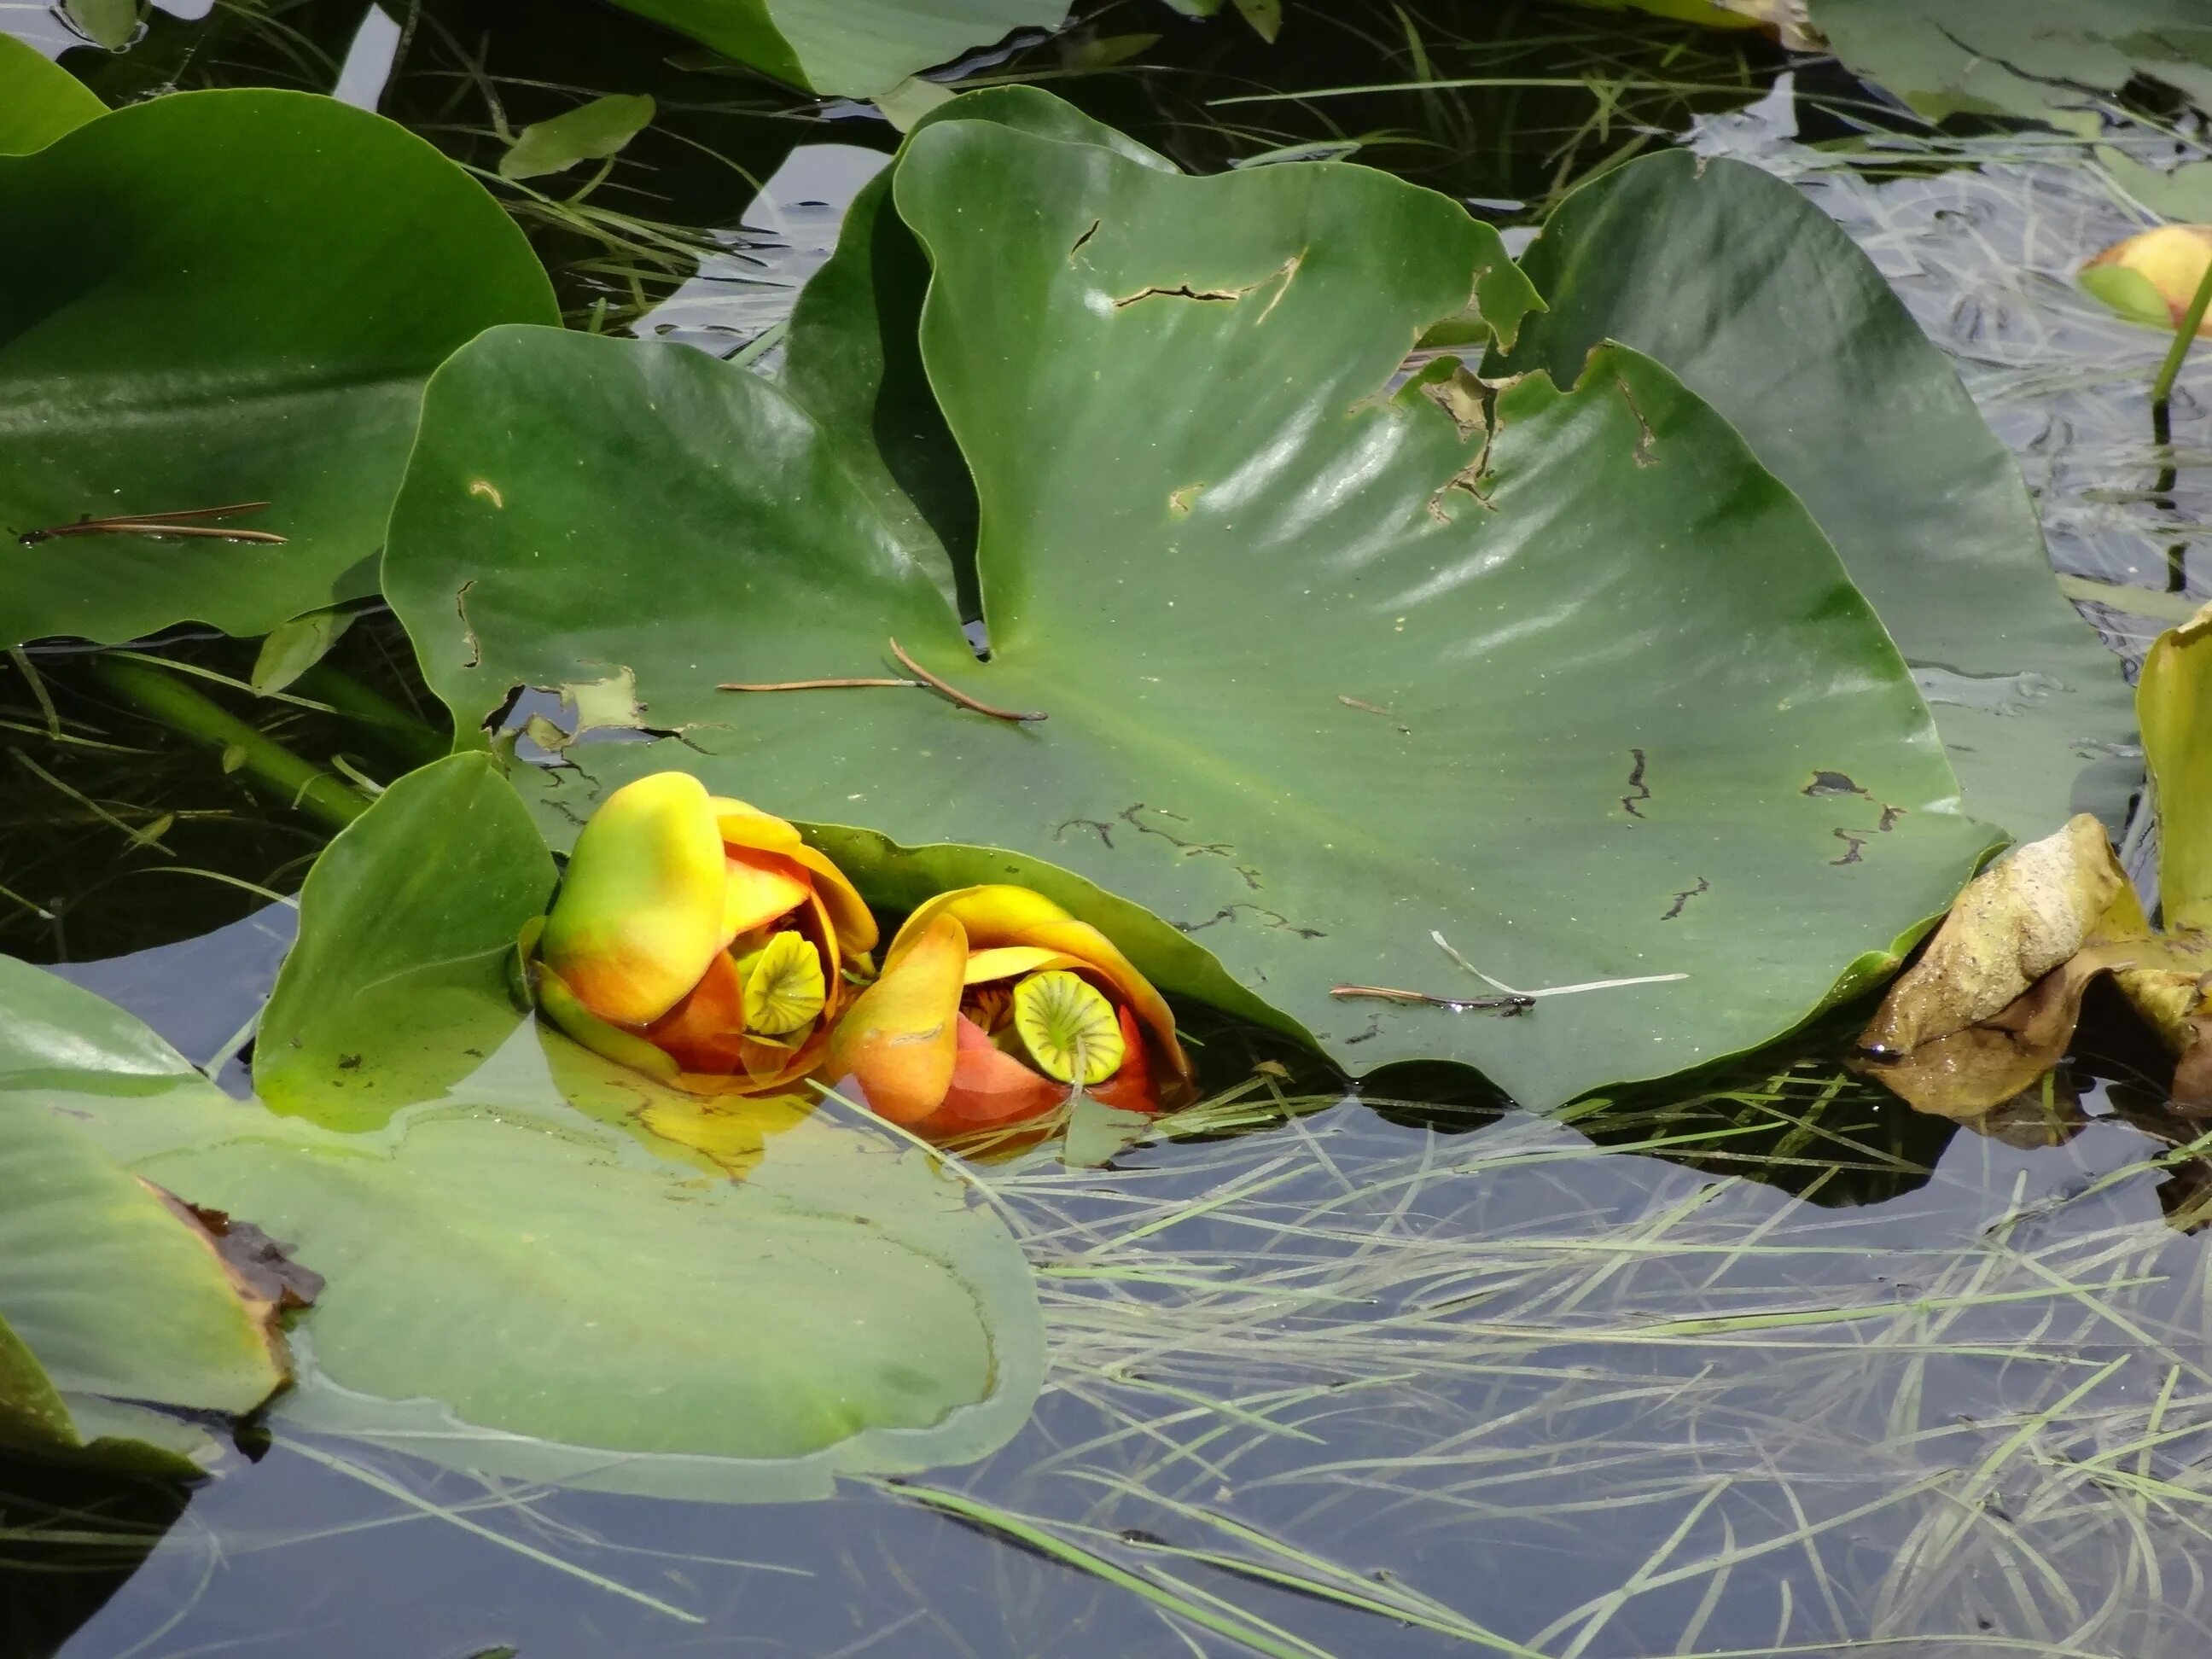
<point x="1760" y="1363"/>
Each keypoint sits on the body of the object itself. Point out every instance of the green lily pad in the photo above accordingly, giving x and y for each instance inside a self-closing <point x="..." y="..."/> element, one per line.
<point x="554" y="1268"/>
<point x="403" y="981"/>
<point x="855" y="48"/>
<point x="39" y="101"/>
<point x="107" y="1297"/>
<point x="2052" y="60"/>
<point x="852" y="357"/>
<point x="1771" y="313"/>
<point x="590" y="132"/>
<point x="219" y="298"/>
<point x="1325" y="675"/>
<point x="518" y="1290"/>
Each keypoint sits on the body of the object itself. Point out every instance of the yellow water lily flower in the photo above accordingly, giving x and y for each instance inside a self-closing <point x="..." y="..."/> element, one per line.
<point x="994" y="1006"/>
<point x="2151" y="278"/>
<point x="699" y="940"/>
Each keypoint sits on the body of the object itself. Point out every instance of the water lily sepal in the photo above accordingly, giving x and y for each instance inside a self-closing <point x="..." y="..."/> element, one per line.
<point x="699" y="940"/>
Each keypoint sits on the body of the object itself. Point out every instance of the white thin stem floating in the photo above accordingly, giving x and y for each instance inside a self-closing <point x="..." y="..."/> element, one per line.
<point x="1445" y="945"/>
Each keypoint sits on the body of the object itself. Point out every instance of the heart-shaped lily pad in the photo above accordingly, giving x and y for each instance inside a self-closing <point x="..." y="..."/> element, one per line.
<point x="1569" y="682"/>
<point x="216" y="299"/>
<point x="538" y="1264"/>
<point x="1769" y="313"/>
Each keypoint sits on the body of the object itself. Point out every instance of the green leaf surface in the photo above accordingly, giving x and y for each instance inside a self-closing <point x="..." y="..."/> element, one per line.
<point x="853" y="354"/>
<point x="1324" y="676"/>
<point x="855" y="48"/>
<point x="217" y="298"/>
<point x="39" y="101"/>
<point x="106" y="1296"/>
<point x="1767" y="310"/>
<point x="403" y="981"/>
<point x="590" y="132"/>
<point x="292" y="647"/>
<point x="521" y="1287"/>
<point x="2053" y="60"/>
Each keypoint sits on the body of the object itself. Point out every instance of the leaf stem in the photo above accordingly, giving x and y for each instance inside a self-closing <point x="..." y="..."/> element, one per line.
<point x="2161" y="414"/>
<point x="165" y="698"/>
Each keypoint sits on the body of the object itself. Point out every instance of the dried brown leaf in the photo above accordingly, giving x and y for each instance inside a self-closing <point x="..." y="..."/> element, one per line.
<point x="2013" y="926"/>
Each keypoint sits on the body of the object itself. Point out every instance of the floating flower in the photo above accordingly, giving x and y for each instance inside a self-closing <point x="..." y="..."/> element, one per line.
<point x="2151" y="278"/>
<point x="699" y="940"/>
<point x="994" y="1006"/>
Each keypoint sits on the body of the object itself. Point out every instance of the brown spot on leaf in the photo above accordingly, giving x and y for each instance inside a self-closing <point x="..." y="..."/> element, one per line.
<point x="268" y="1283"/>
<point x="1638" y="789"/>
<point x="1685" y="896"/>
<point x="1831" y="783"/>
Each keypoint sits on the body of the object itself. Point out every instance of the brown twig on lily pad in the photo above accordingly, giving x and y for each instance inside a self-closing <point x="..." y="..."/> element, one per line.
<point x="194" y="521"/>
<point x="958" y="695"/>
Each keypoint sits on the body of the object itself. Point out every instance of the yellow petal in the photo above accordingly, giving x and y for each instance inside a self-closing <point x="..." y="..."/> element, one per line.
<point x="762" y="888"/>
<point x="898" y="1041"/>
<point x="1068" y="1027"/>
<point x="2157" y="271"/>
<point x="748" y="826"/>
<point x="855" y="923"/>
<point x="1005" y="961"/>
<point x="784" y="988"/>
<point x="640" y="912"/>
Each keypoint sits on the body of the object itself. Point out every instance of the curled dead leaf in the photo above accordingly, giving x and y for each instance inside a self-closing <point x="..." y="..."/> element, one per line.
<point x="2013" y="925"/>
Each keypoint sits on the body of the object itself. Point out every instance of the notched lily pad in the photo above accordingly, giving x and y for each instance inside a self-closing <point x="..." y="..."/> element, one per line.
<point x="1328" y="672"/>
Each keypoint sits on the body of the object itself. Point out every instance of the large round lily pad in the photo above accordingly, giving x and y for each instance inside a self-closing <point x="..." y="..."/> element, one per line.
<point x="218" y="298"/>
<point x="1326" y="672"/>
<point x="1771" y="314"/>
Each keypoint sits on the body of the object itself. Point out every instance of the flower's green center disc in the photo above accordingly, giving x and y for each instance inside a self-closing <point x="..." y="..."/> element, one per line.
<point x="784" y="988"/>
<point x="1068" y="1027"/>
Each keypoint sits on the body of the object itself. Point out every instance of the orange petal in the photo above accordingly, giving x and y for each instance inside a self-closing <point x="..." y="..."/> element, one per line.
<point x="896" y="1044"/>
<point x="1130" y="1088"/>
<point x="705" y="1032"/>
<point x="989" y="1087"/>
<point x="761" y="887"/>
<point x="640" y="912"/>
